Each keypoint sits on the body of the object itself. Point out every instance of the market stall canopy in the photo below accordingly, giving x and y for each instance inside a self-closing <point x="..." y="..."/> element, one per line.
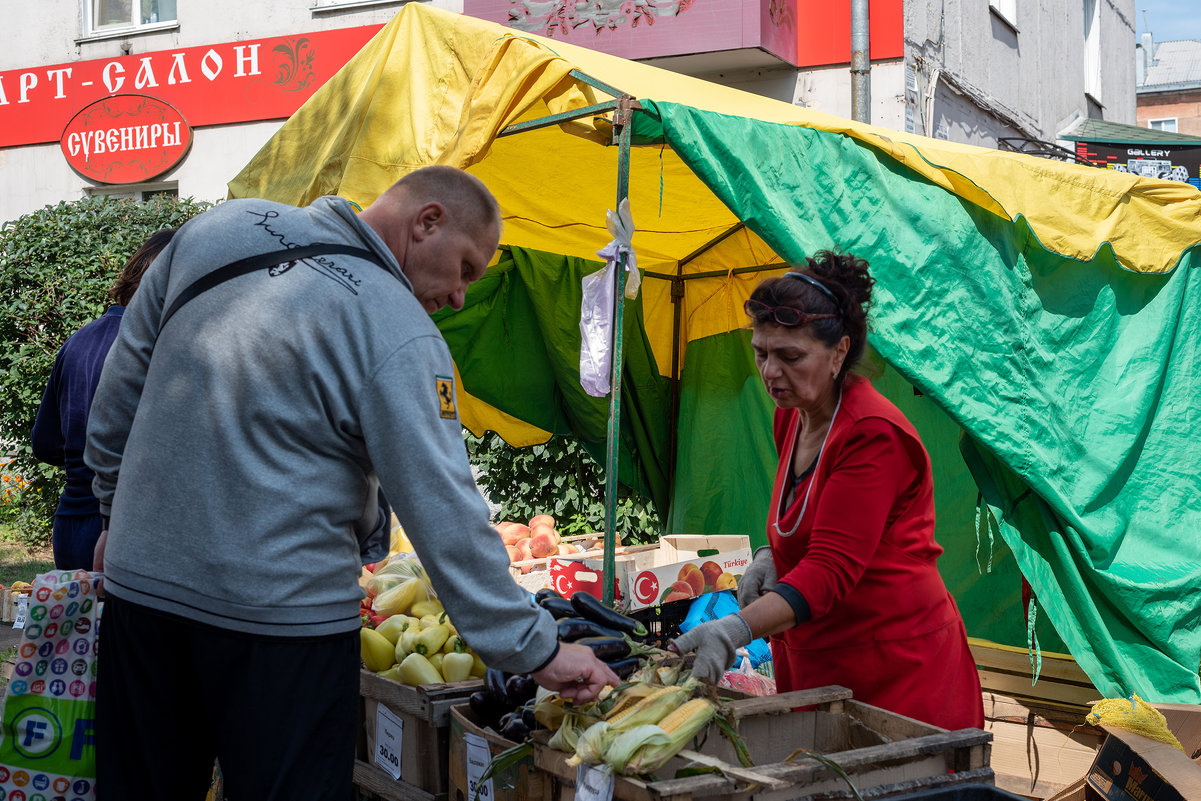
<point x="1046" y="308"/>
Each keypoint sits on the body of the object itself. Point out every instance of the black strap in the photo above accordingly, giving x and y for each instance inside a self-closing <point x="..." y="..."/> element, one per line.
<point x="252" y="263"/>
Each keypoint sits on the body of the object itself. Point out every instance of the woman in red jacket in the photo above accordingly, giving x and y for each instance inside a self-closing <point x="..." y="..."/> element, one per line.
<point x="859" y="601"/>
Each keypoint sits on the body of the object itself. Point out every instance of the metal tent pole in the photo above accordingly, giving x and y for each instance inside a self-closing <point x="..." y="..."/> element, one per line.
<point x="621" y="132"/>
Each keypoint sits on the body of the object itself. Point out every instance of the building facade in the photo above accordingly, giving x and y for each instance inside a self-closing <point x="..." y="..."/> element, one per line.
<point x="117" y="97"/>
<point x="1169" y="85"/>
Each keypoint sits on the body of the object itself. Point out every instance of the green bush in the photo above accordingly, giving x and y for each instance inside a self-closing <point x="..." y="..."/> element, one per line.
<point x="56" y="265"/>
<point x="559" y="478"/>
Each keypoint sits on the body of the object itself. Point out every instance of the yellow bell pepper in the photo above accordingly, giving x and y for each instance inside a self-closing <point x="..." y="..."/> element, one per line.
<point x="394" y="626"/>
<point x="478" y="668"/>
<point x="399" y="599"/>
<point x="455" y="645"/>
<point x="375" y="650"/>
<point x="416" y="670"/>
<point x="430" y="606"/>
<point x="457" y="666"/>
<point x="436" y="661"/>
<point x="431" y="640"/>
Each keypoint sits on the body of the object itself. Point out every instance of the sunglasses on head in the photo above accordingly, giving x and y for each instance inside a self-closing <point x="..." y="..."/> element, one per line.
<point x="786" y="316"/>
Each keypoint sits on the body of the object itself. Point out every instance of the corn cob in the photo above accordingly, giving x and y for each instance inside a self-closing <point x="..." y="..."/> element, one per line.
<point x="650" y="709"/>
<point x="679" y="727"/>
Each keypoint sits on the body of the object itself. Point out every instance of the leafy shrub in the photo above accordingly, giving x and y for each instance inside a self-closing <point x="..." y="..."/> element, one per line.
<point x="560" y="478"/>
<point x="56" y="265"/>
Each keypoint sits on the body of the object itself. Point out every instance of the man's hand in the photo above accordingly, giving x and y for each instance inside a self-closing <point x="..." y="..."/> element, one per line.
<point x="715" y="644"/>
<point x="576" y="674"/>
<point x="759" y="578"/>
<point x="98" y="552"/>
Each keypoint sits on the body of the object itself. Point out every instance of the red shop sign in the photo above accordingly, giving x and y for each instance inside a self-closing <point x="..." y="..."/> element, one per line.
<point x="126" y="139"/>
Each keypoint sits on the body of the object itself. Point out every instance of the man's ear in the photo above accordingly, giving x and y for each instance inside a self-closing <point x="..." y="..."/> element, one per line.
<point x="428" y="219"/>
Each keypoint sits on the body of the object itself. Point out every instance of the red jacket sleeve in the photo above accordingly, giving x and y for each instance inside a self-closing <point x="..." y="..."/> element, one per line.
<point x="871" y="470"/>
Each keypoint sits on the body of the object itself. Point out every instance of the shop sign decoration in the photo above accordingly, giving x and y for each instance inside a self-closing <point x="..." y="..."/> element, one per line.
<point x="125" y="139"/>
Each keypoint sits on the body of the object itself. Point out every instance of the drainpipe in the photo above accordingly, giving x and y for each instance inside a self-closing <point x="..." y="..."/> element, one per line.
<point x="861" y="65"/>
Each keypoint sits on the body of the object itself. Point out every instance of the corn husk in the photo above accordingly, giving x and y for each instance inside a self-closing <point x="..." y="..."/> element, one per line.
<point x="591" y="744"/>
<point x="654" y="752"/>
<point x="568" y="733"/>
<point x="626" y="744"/>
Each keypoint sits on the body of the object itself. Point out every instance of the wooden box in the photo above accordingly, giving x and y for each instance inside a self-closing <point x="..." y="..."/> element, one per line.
<point x="520" y="782"/>
<point x="424" y="713"/>
<point x="1041" y="743"/>
<point x="883" y="754"/>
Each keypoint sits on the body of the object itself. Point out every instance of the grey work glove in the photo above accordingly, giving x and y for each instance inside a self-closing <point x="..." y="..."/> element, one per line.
<point x="759" y="578"/>
<point x="715" y="644"/>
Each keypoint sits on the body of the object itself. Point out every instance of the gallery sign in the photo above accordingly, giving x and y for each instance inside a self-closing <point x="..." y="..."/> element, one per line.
<point x="1170" y="162"/>
<point x="256" y="79"/>
<point x="126" y="139"/>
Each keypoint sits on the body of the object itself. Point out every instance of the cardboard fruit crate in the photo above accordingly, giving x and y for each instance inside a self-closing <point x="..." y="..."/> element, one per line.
<point x="424" y="728"/>
<point x="883" y="753"/>
<point x="470" y="745"/>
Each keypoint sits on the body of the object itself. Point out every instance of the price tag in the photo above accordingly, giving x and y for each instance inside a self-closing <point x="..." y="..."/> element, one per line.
<point x="389" y="734"/>
<point x="22" y="611"/>
<point x="478" y="759"/>
<point x="593" y="783"/>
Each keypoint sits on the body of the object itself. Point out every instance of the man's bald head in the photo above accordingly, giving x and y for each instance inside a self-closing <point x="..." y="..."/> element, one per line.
<point x="467" y="201"/>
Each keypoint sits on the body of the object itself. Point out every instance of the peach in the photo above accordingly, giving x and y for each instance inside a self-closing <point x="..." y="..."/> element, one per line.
<point x="679" y="591"/>
<point x="515" y="533"/>
<point x="567" y="550"/>
<point x="726" y="581"/>
<point x="691" y="575"/>
<point x="543" y="528"/>
<point x="542" y="519"/>
<point x="543" y="543"/>
<point x="514" y="554"/>
<point x="711" y="570"/>
<point x="523" y="548"/>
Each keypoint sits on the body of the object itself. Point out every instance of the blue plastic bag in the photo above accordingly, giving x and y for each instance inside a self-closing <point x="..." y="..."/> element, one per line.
<point x="713" y="605"/>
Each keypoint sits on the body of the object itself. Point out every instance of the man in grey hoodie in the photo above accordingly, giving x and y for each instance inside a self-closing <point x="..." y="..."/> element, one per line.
<point x="237" y="449"/>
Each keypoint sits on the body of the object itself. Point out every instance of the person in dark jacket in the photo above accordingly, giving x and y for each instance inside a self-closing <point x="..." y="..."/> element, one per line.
<point x="61" y="427"/>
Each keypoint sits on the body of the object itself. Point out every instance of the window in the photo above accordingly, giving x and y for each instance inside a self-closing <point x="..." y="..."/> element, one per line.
<point x="138" y="192"/>
<point x="123" y="15"/>
<point x="1167" y="125"/>
<point x="1092" y="48"/>
<point x="1006" y="9"/>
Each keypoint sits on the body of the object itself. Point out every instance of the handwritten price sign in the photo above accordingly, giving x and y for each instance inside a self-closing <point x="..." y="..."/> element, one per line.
<point x="478" y="759"/>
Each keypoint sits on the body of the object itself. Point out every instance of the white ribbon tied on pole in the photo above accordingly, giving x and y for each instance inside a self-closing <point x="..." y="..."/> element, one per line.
<point x="596" y="305"/>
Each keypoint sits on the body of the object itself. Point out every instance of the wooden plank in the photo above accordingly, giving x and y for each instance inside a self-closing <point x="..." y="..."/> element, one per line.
<point x="785" y="702"/>
<point x="1019" y="687"/>
<point x="375" y="781"/>
<point x="889" y="725"/>
<point x="1009" y="659"/>
<point x="430" y="702"/>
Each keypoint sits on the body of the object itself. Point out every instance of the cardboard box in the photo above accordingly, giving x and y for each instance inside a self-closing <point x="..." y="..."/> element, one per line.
<point x="1131" y="767"/>
<point x="644" y="576"/>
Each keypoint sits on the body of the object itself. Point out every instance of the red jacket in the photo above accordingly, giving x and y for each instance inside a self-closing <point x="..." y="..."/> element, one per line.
<point x="864" y="558"/>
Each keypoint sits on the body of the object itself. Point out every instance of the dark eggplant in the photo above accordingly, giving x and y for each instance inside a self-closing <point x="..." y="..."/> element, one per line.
<point x="486" y="707"/>
<point x="575" y="628"/>
<point x="624" y="667"/>
<point x="544" y="593"/>
<point x="494" y="685"/>
<point x="519" y="688"/>
<point x="559" y="607"/>
<point x="514" y="728"/>
<point x="607" y="649"/>
<point x="528" y="718"/>
<point x="590" y="607"/>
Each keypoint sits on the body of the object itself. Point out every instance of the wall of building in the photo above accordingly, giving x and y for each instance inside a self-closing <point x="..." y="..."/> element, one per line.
<point x="33" y="176"/>
<point x="1184" y="107"/>
<point x="978" y="76"/>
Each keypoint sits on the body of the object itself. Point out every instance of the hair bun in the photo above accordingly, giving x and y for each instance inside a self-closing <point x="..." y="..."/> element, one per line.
<point x="845" y="274"/>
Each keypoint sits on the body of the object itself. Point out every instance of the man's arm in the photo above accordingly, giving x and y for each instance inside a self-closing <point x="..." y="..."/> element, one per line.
<point x="422" y="464"/>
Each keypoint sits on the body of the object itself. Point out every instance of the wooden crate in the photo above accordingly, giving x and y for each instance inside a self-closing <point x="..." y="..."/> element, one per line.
<point x="521" y="782"/>
<point x="884" y="754"/>
<point x="425" y="714"/>
<point x="1041" y="744"/>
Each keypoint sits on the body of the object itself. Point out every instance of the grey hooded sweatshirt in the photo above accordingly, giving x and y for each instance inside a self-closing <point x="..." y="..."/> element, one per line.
<point x="236" y="449"/>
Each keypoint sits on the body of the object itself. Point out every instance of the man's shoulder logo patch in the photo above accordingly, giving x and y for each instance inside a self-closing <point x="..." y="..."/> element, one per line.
<point x="446" y="397"/>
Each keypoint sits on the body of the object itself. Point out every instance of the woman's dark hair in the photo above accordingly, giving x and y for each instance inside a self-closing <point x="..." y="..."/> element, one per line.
<point x="848" y="299"/>
<point x="127" y="282"/>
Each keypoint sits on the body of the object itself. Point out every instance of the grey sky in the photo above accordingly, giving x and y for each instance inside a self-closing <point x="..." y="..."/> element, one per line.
<point x="1168" y="19"/>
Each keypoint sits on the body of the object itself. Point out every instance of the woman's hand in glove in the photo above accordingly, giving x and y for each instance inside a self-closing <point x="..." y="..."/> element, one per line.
<point x="759" y="578"/>
<point x="715" y="644"/>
